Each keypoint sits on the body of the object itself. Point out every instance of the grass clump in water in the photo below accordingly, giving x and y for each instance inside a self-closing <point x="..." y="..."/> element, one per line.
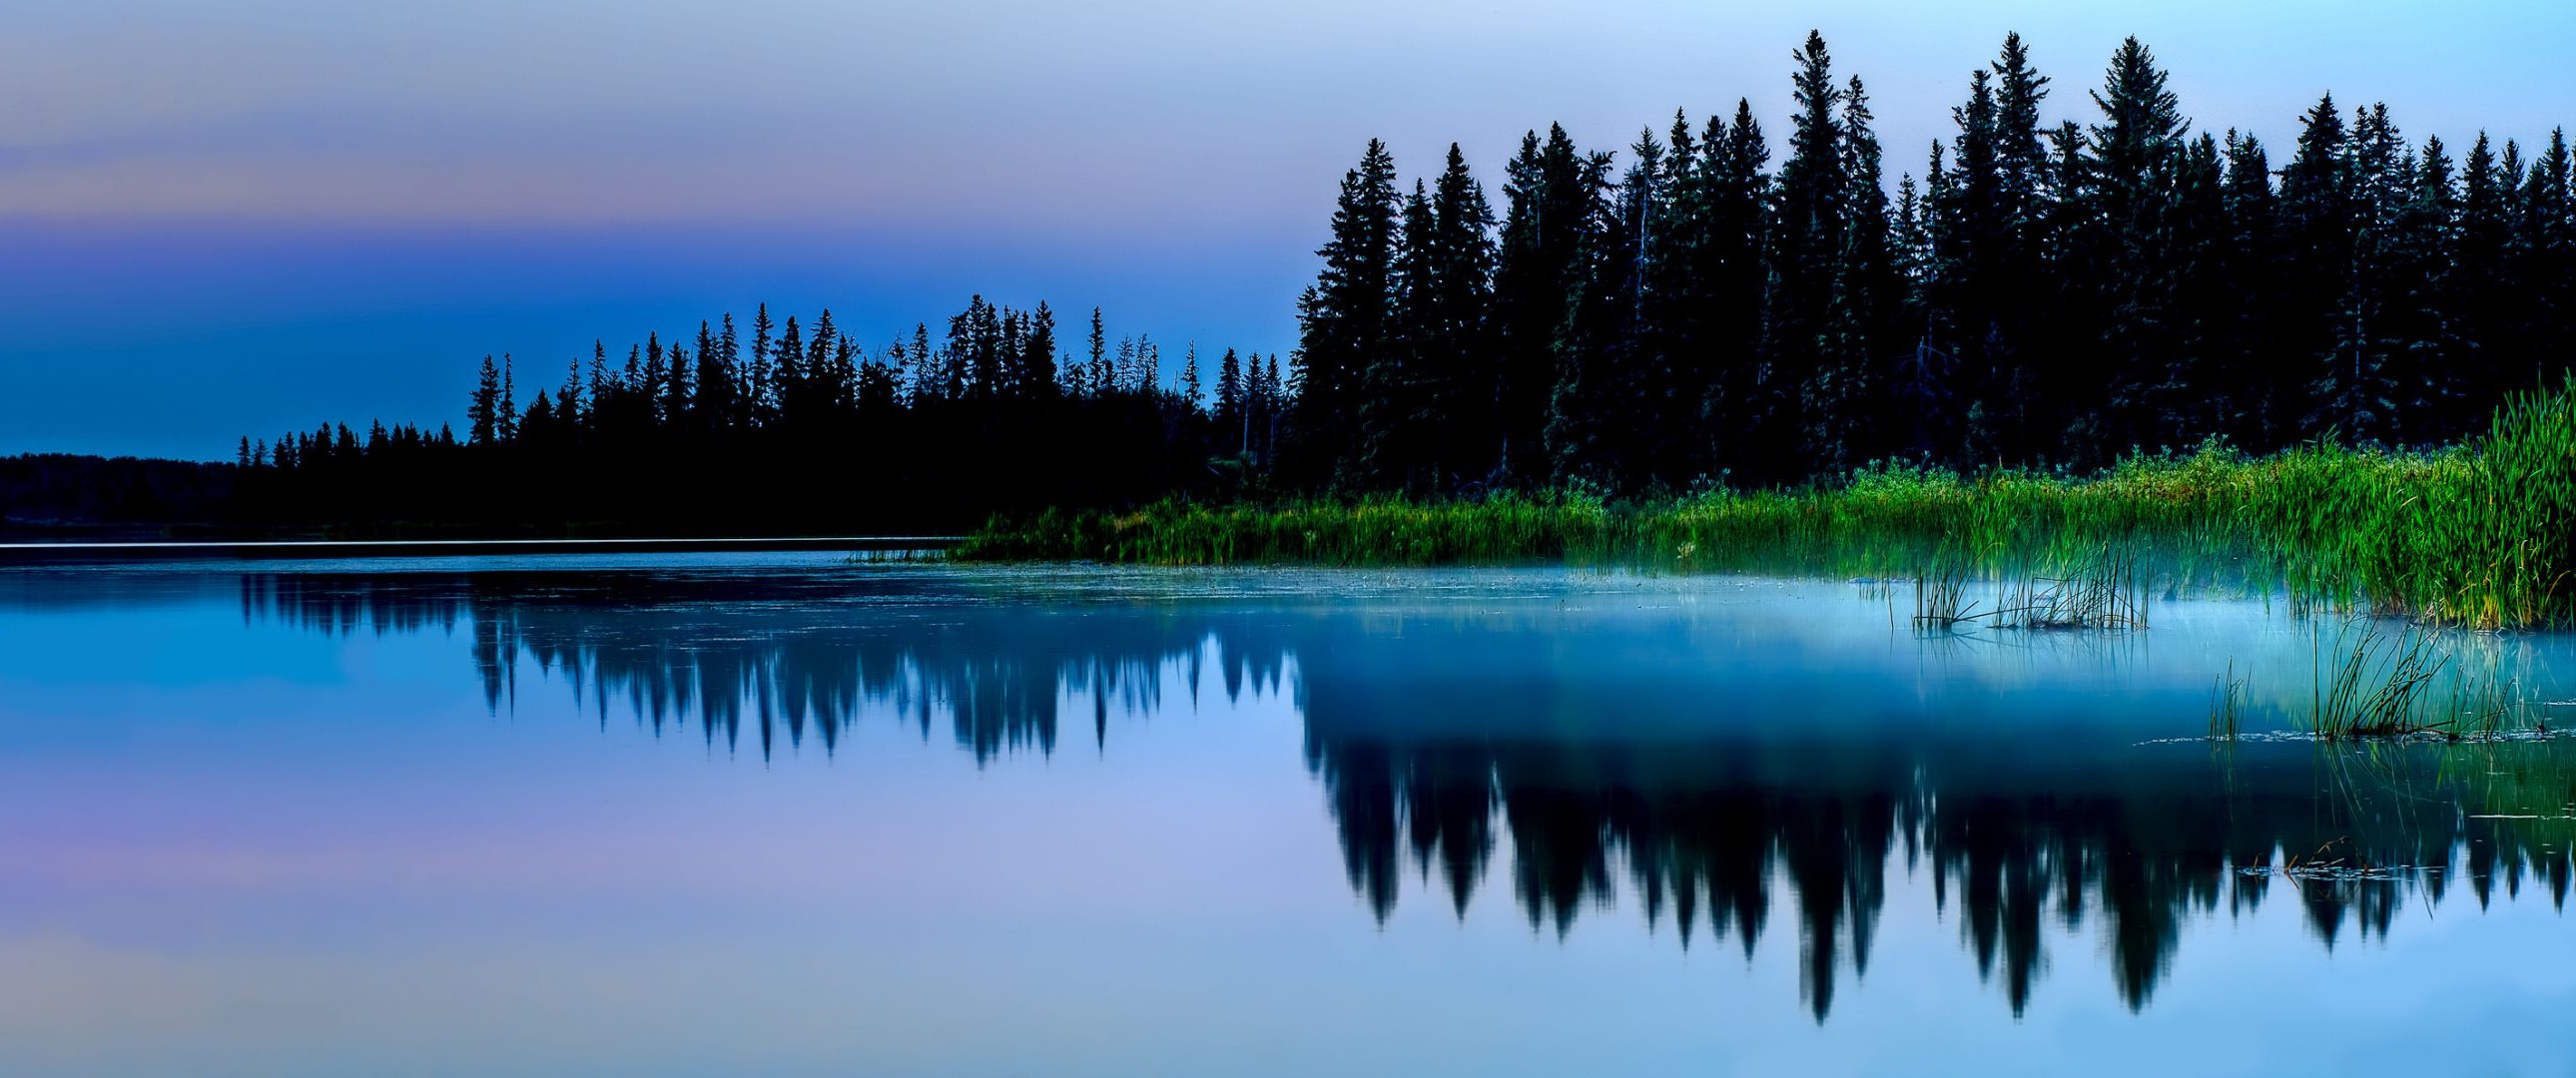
<point x="2376" y="679"/>
<point x="2101" y="593"/>
<point x="2227" y="705"/>
<point x="2377" y="687"/>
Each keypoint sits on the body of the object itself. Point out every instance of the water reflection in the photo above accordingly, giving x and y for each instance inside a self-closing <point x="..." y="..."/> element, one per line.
<point x="1722" y="770"/>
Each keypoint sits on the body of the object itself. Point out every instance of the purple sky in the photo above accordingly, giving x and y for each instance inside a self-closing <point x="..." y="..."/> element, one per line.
<point x="221" y="218"/>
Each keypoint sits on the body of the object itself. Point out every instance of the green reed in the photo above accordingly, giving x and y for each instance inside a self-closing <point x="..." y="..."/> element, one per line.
<point x="2476" y="535"/>
<point x="2227" y="703"/>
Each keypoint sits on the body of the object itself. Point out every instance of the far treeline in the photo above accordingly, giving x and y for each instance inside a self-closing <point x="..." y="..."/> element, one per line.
<point x="795" y="428"/>
<point x="1685" y="319"/>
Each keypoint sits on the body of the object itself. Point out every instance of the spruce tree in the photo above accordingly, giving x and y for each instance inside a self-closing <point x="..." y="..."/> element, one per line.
<point x="2319" y="226"/>
<point x="2137" y="165"/>
<point x="1968" y="299"/>
<point x="713" y="407"/>
<point x="2354" y="391"/>
<point x="482" y="414"/>
<point x="1099" y="380"/>
<point x="1865" y="420"/>
<point x="505" y="415"/>
<point x="1537" y="273"/>
<point x="1391" y="409"/>
<point x="1807" y="240"/>
<point x="1343" y="320"/>
<point x="1231" y="431"/>
<point x="2544" y="265"/>
<point x="758" y="387"/>
<point x="1744" y="408"/>
<point x="1037" y="357"/>
<point x="2487" y="304"/>
<point x="2253" y="402"/>
<point x="1457" y="366"/>
<point x="1596" y="358"/>
<point x="2428" y="372"/>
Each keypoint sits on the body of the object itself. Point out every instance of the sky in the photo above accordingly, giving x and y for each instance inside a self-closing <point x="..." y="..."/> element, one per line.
<point x="229" y="217"/>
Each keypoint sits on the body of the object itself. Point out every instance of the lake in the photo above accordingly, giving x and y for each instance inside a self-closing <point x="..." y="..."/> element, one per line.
<point x="780" y="813"/>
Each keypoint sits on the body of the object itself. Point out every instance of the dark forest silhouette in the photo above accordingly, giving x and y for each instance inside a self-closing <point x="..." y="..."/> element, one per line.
<point x="1707" y="308"/>
<point x="2040" y="295"/>
<point x="1715" y="838"/>
<point x="792" y="427"/>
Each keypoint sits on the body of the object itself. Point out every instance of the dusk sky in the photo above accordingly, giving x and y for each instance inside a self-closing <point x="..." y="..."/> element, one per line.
<point x="244" y="217"/>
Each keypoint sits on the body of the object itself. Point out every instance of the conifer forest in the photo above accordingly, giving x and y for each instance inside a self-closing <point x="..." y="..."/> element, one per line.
<point x="1708" y="307"/>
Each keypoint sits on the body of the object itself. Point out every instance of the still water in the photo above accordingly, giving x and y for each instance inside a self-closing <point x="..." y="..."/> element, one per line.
<point x="779" y="814"/>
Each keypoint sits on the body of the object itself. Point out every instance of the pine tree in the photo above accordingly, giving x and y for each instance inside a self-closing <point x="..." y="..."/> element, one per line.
<point x="482" y="415"/>
<point x="1231" y="430"/>
<point x="1100" y="379"/>
<point x="1343" y="320"/>
<point x="1988" y="217"/>
<point x="1596" y="350"/>
<point x="1745" y="405"/>
<point x="1537" y="273"/>
<point x="2254" y="403"/>
<point x="505" y="418"/>
<point x="1037" y="356"/>
<point x="568" y="403"/>
<point x="927" y="384"/>
<point x="1807" y="240"/>
<point x="1277" y="397"/>
<point x="2319" y="226"/>
<point x="2138" y="160"/>
<point x="714" y="407"/>
<point x="1392" y="408"/>
<point x="2354" y="391"/>
<point x="1456" y="365"/>
<point x="2428" y="372"/>
<point x="1968" y="306"/>
<point x="758" y="387"/>
<point x="1867" y="422"/>
<point x="2544" y="263"/>
<point x="737" y="374"/>
<point x="2485" y="286"/>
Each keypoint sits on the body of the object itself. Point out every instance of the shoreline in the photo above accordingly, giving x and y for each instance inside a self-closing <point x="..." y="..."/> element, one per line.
<point x="13" y="553"/>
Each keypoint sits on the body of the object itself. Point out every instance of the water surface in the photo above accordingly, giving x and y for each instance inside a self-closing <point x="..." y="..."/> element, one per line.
<point x="682" y="814"/>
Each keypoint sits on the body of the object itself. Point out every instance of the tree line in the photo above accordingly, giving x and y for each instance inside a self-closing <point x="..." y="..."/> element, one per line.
<point x="2041" y="295"/>
<point x="1684" y="316"/>
<point x="794" y="425"/>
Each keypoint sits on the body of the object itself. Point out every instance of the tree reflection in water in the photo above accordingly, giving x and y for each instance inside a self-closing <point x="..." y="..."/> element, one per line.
<point x="1439" y="736"/>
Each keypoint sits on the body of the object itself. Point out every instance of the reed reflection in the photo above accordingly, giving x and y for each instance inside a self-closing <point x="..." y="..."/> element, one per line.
<point x="1441" y="738"/>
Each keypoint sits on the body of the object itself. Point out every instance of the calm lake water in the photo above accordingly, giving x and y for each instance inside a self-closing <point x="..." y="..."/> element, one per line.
<point x="779" y="814"/>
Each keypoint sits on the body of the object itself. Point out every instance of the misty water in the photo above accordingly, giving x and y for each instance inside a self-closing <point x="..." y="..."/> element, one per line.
<point x="783" y="814"/>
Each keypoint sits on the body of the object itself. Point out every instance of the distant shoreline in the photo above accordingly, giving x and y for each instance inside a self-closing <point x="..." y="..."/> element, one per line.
<point x="145" y="550"/>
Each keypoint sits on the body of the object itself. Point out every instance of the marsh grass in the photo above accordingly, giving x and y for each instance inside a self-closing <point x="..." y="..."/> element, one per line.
<point x="2102" y="593"/>
<point x="2376" y="686"/>
<point x="1941" y="598"/>
<point x="2476" y="535"/>
<point x="2374" y="680"/>
<point x="2227" y="705"/>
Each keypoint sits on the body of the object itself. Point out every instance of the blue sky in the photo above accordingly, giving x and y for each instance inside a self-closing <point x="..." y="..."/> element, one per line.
<point x="229" y="217"/>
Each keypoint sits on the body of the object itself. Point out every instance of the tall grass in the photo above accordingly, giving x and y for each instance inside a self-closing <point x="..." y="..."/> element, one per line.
<point x="2375" y="678"/>
<point x="2478" y="535"/>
